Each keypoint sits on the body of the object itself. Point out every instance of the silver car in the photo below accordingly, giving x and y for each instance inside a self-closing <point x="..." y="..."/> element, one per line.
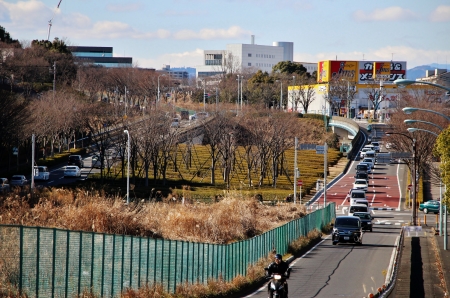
<point x="18" y="180"/>
<point x="72" y="171"/>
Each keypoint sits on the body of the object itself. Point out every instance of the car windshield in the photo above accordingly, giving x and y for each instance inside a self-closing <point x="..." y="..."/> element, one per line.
<point x="16" y="178"/>
<point x="360" y="182"/>
<point x="363" y="215"/>
<point x="358" y="195"/>
<point x="347" y="222"/>
<point x="361" y="167"/>
<point x="358" y="209"/>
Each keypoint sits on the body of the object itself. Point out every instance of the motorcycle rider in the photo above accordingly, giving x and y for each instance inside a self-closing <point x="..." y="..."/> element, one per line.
<point x="278" y="267"/>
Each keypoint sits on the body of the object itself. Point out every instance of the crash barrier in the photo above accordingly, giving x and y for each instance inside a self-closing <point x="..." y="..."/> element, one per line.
<point x="49" y="262"/>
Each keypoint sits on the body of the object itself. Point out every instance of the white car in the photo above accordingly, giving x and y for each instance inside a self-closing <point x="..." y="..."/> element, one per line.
<point x="41" y="173"/>
<point x="72" y="171"/>
<point x="376" y="146"/>
<point x="362" y="154"/>
<point x="360" y="184"/>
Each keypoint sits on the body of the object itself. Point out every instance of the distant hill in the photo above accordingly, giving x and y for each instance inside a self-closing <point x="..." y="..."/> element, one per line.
<point x="419" y="71"/>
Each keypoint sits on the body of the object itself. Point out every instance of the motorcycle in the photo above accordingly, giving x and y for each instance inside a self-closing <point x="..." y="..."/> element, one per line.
<point x="278" y="284"/>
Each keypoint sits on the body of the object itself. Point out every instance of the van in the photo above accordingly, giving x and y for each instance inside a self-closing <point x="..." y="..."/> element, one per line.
<point x="357" y="208"/>
<point x="41" y="173"/>
<point x="370" y="154"/>
<point x="362" y="168"/>
<point x="356" y="194"/>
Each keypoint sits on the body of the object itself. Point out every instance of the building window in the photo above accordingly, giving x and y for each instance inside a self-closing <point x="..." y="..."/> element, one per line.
<point x="249" y="64"/>
<point x="249" y="54"/>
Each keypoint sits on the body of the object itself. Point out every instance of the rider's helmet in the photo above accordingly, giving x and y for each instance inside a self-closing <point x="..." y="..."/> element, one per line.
<point x="279" y="257"/>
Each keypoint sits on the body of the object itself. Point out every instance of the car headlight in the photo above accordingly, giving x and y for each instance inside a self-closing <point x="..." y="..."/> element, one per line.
<point x="369" y="223"/>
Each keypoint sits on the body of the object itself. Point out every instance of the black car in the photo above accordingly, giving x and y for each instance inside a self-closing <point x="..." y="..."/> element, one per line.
<point x="76" y="160"/>
<point x="362" y="168"/>
<point x="366" y="220"/>
<point x="362" y="175"/>
<point x="347" y="229"/>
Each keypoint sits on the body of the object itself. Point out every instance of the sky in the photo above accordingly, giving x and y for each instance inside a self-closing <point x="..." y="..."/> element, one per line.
<point x="175" y="32"/>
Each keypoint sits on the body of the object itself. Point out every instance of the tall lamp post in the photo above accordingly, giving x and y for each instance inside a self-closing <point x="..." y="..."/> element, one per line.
<point x="158" y="85"/>
<point x="128" y="165"/>
<point x="414" y="200"/>
<point x="409" y="110"/>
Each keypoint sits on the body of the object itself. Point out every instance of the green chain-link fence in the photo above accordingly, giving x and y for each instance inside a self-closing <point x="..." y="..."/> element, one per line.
<point x="46" y="262"/>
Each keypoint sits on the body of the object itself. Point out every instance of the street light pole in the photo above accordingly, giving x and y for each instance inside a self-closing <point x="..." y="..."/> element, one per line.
<point x="238" y="88"/>
<point x="128" y="165"/>
<point x="405" y="82"/>
<point x="414" y="199"/>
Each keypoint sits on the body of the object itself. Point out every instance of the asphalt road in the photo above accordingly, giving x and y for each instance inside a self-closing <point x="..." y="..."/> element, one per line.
<point x="346" y="270"/>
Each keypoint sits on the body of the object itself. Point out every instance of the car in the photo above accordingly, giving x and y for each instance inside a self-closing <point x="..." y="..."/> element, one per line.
<point x="370" y="161"/>
<point x="75" y="160"/>
<point x="363" y="151"/>
<point x="376" y="146"/>
<point x="4" y="185"/>
<point x="72" y="171"/>
<point x="359" y="202"/>
<point x="362" y="176"/>
<point x="357" y="208"/>
<point x="347" y="229"/>
<point x="369" y="167"/>
<point x="175" y="122"/>
<point x="356" y="194"/>
<point x="41" y="173"/>
<point x="360" y="184"/>
<point x="193" y="117"/>
<point x="362" y="168"/>
<point x="18" y="180"/>
<point x="97" y="162"/>
<point x="366" y="220"/>
<point x="388" y="145"/>
<point x="371" y="154"/>
<point x="430" y="206"/>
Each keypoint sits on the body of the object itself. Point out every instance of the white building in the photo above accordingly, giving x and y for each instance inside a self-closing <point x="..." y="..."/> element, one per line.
<point x="260" y="57"/>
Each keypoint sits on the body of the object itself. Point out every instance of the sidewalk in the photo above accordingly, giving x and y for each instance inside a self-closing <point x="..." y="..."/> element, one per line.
<point x="424" y="269"/>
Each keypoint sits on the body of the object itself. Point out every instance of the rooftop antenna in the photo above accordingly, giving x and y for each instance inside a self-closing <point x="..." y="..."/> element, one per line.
<point x="50" y="22"/>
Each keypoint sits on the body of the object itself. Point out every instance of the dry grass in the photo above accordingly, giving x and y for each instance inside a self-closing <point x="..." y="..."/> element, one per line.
<point x="231" y="219"/>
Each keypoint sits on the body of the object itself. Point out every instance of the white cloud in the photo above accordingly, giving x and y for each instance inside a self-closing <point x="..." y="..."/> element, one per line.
<point x="135" y="6"/>
<point x="441" y="14"/>
<point x="394" y="13"/>
<point x="25" y="14"/>
<point x="188" y="59"/>
<point x="413" y="56"/>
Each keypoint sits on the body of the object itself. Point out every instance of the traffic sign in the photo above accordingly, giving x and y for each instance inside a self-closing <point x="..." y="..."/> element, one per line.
<point x="320" y="149"/>
<point x="299" y="183"/>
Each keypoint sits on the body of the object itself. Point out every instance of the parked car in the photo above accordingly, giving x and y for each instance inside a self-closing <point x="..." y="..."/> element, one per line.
<point x="18" y="180"/>
<point x="175" y="122"/>
<point x="362" y="176"/>
<point x="76" y="160"/>
<point x="388" y="145"/>
<point x="72" y="171"/>
<point x="430" y="206"/>
<point x="366" y="220"/>
<point x="347" y="229"/>
<point x="360" y="184"/>
<point x="4" y="185"/>
<point x="41" y="173"/>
